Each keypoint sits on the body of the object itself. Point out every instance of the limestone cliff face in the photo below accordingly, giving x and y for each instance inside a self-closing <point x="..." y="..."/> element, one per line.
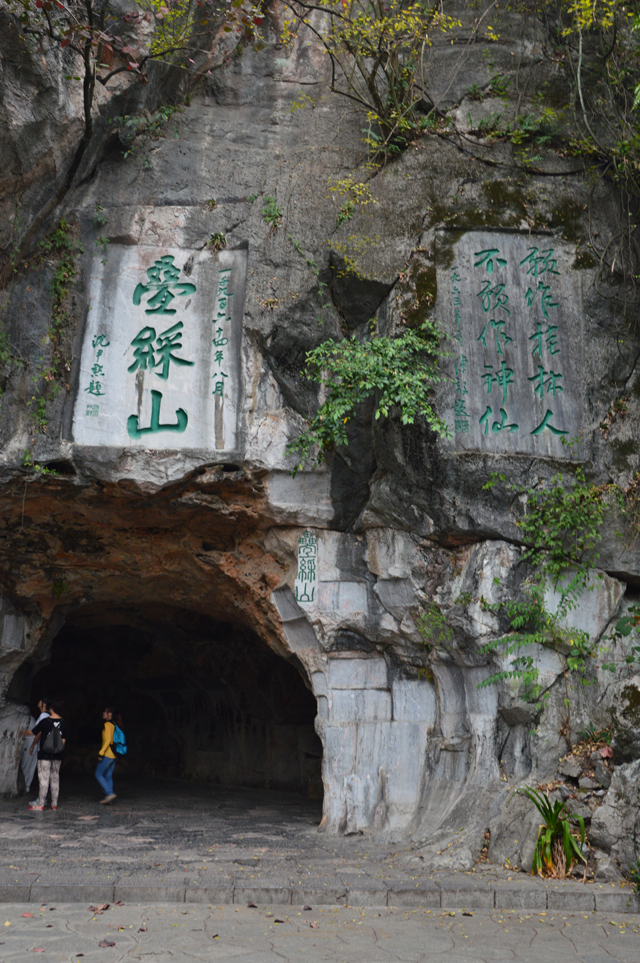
<point x="179" y="385"/>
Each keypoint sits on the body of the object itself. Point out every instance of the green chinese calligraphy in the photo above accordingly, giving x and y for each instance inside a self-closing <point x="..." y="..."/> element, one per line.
<point x="489" y="259"/>
<point x="460" y="408"/>
<point x="550" y="339"/>
<point x="548" y="380"/>
<point x="97" y="369"/>
<point x="146" y="346"/>
<point x="540" y="262"/>
<point x="134" y="431"/>
<point x="493" y="298"/>
<point x="461" y="386"/>
<point x="501" y="337"/>
<point x="545" y="423"/>
<point x="545" y="298"/>
<point x="502" y="379"/>
<point x="95" y="388"/>
<point x="219" y="341"/>
<point x="305" y="583"/>
<point x="162" y="282"/>
<point x="218" y="388"/>
<point x="497" y="425"/>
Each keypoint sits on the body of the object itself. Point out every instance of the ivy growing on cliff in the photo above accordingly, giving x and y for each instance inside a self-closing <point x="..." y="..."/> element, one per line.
<point x="396" y="373"/>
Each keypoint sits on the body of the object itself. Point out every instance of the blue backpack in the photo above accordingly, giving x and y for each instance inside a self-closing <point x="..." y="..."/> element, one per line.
<point x="119" y="744"/>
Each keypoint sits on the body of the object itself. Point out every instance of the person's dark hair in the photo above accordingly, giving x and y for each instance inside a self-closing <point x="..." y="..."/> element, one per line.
<point x="46" y="699"/>
<point x="115" y="715"/>
<point x="56" y="704"/>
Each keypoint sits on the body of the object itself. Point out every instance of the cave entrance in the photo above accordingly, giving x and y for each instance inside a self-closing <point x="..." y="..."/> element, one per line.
<point x="201" y="699"/>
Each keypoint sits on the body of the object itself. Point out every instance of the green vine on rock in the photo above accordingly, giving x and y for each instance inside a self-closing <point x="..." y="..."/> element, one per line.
<point x="399" y="373"/>
<point x="271" y="213"/>
<point x="32" y="466"/>
<point x="561" y="528"/>
<point x="62" y="246"/>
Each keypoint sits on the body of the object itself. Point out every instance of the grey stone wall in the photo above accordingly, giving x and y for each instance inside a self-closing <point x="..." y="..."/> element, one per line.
<point x="396" y="522"/>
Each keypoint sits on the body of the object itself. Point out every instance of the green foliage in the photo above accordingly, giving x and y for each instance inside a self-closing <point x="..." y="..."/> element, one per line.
<point x="271" y="213"/>
<point x="217" y="241"/>
<point x="561" y="528"/>
<point x="474" y="92"/>
<point x="64" y="249"/>
<point x="99" y="217"/>
<point x="562" y="524"/>
<point x="557" y="849"/>
<point x="100" y="220"/>
<point x="634" y="873"/>
<point x="397" y="372"/>
<point x="134" y="127"/>
<point x="211" y="204"/>
<point x="591" y="734"/>
<point x="433" y="627"/>
<point x="31" y="465"/>
<point x="95" y="32"/>
<point x="628" y="627"/>
<point x="323" y="288"/>
<point x="6" y="354"/>
<point x="98" y="42"/>
<point x="499" y="84"/>
<point x="357" y="194"/>
<point x="376" y="52"/>
<point x="594" y="46"/>
<point x="536" y="130"/>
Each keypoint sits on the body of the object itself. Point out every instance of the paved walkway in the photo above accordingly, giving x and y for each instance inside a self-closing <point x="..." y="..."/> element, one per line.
<point x="167" y="841"/>
<point x="168" y="933"/>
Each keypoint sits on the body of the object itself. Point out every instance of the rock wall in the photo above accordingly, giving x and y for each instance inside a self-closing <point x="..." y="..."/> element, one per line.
<point x="182" y="386"/>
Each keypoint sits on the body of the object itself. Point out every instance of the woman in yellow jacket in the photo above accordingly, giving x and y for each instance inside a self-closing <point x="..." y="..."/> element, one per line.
<point x="106" y="765"/>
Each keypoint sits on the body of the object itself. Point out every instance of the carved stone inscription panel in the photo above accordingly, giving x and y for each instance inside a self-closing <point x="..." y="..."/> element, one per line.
<point x="160" y="363"/>
<point x="511" y="303"/>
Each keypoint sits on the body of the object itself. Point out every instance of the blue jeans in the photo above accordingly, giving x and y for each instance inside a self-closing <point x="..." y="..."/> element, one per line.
<point x="104" y="774"/>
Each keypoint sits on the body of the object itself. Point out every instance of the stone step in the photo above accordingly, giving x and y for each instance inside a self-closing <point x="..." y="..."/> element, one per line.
<point x="449" y="893"/>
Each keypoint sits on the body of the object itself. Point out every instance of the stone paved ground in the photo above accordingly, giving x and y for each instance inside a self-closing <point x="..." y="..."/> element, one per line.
<point x="273" y="934"/>
<point x="192" y="843"/>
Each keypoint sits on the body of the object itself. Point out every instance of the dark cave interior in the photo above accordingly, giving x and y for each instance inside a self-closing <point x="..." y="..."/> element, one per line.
<point x="200" y="699"/>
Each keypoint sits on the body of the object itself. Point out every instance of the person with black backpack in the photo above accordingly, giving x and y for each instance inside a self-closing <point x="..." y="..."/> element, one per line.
<point x="51" y="736"/>
<point x="113" y="745"/>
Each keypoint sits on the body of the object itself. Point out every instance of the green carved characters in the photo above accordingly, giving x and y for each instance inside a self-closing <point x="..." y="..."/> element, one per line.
<point x="96" y="385"/>
<point x="219" y="340"/>
<point x="506" y="308"/>
<point x="157" y="352"/>
<point x="461" y="415"/>
<point x="161" y="285"/>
